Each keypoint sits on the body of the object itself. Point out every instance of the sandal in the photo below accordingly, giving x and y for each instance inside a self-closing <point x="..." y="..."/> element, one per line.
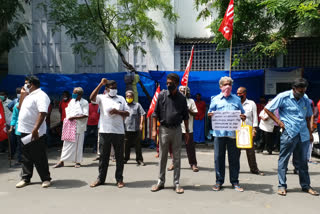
<point x="179" y="189"/>
<point x="58" y="165"/>
<point x="216" y="187"/>
<point x="78" y="165"/>
<point x="311" y="191"/>
<point x="96" y="183"/>
<point x="120" y="184"/>
<point x="157" y="187"/>
<point x="170" y="168"/>
<point x="237" y="188"/>
<point x="194" y="168"/>
<point x="282" y="191"/>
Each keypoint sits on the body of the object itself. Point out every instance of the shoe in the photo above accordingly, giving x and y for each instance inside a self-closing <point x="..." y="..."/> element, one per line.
<point x="170" y="168"/>
<point x="257" y="173"/>
<point x="58" y="165"/>
<point x="77" y="165"/>
<point x="295" y="171"/>
<point x="120" y="184"/>
<point x="237" y="188"/>
<point x="216" y="187"/>
<point x="97" y="158"/>
<point x="194" y="168"/>
<point x="22" y="183"/>
<point x="46" y="184"/>
<point x="179" y="189"/>
<point x="141" y="163"/>
<point x="311" y="191"/>
<point x="113" y="160"/>
<point x="157" y="187"/>
<point x="96" y="183"/>
<point x="282" y="191"/>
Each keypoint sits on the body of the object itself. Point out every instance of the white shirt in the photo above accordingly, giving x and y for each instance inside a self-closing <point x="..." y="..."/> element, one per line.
<point x="34" y="103"/>
<point x="250" y="109"/>
<point x="191" y="106"/>
<point x="83" y="110"/>
<point x="7" y="112"/>
<point x="266" y="125"/>
<point x="110" y="123"/>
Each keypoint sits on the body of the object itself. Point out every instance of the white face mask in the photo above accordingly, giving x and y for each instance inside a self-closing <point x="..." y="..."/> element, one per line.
<point x="26" y="88"/>
<point x="113" y="92"/>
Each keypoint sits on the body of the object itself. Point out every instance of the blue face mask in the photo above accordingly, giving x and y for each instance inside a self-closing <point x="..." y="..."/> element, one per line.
<point x="74" y="96"/>
<point x="2" y="98"/>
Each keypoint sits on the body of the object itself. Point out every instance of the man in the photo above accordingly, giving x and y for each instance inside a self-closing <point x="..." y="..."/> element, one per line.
<point x="92" y="125"/>
<point x="250" y="109"/>
<point x="260" y="106"/>
<point x="190" y="145"/>
<point x="33" y="107"/>
<point x="111" y="131"/>
<point x="66" y="97"/>
<point x="171" y="109"/>
<point x="16" y="100"/>
<point x="133" y="128"/>
<point x="226" y="101"/>
<point x="198" y="132"/>
<point x="78" y="109"/>
<point x="295" y="112"/>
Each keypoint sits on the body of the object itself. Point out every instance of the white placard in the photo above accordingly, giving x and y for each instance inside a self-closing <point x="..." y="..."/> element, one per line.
<point x="226" y="120"/>
<point x="27" y="139"/>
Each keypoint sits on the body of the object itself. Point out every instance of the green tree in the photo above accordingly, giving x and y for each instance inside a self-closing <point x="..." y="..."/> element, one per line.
<point x="269" y="24"/>
<point x="12" y="24"/>
<point x="119" y="22"/>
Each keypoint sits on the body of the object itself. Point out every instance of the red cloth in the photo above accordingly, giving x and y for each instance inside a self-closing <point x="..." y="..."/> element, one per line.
<point x="154" y="102"/>
<point x="185" y="77"/>
<point x="62" y="108"/>
<point x="69" y="130"/>
<point x="3" y="130"/>
<point x="201" y="106"/>
<point x="260" y="107"/>
<point x="318" y="105"/>
<point x="94" y="114"/>
<point x="226" y="27"/>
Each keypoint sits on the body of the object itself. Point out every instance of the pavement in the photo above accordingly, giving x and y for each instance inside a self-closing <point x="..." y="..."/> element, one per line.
<point x="70" y="192"/>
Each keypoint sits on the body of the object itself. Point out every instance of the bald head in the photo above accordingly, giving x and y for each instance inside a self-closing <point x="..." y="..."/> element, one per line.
<point x="242" y="93"/>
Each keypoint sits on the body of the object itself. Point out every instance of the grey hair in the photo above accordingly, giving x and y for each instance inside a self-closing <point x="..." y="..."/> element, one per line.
<point x="79" y="90"/>
<point x="183" y="88"/>
<point x="225" y="79"/>
<point x="130" y="92"/>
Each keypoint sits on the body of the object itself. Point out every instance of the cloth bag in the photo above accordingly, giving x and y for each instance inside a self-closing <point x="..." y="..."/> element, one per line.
<point x="69" y="130"/>
<point x="244" y="137"/>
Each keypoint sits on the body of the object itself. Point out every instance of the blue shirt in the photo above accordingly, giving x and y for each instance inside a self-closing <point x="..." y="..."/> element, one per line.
<point x="222" y="103"/>
<point x="292" y="113"/>
<point x="14" y="118"/>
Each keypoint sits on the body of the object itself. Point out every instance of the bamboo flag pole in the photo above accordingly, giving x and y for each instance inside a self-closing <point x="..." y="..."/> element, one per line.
<point x="230" y="57"/>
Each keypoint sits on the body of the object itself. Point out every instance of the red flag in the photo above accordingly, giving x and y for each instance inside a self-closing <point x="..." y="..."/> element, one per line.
<point x="226" y="27"/>
<point x="3" y="130"/>
<point x="154" y="101"/>
<point x="185" y="77"/>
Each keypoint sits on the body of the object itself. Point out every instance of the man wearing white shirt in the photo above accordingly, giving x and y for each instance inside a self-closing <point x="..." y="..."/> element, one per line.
<point x="33" y="107"/>
<point x="111" y="131"/>
<point x="252" y="120"/>
<point x="78" y="109"/>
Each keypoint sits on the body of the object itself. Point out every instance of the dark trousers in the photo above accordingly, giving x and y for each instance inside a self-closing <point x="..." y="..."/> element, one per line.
<point x="91" y="130"/>
<point x="35" y="154"/>
<point x="191" y="149"/>
<point x="267" y="141"/>
<point x="130" y="139"/>
<point x="276" y="137"/>
<point x="251" y="156"/>
<point x="220" y="146"/>
<point x="106" y="139"/>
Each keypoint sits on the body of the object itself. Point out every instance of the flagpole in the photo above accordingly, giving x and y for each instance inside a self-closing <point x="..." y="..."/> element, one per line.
<point x="230" y="57"/>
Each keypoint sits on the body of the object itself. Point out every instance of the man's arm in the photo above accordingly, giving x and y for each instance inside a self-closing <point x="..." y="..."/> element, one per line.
<point x="23" y="94"/>
<point x="141" y="122"/>
<point x="95" y="92"/>
<point x="154" y="128"/>
<point x="39" y="121"/>
<point x="274" y="118"/>
<point x="309" y="128"/>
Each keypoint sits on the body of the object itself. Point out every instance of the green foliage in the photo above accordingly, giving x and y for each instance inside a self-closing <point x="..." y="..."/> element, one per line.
<point x="121" y="22"/>
<point x="12" y="24"/>
<point x="267" y="23"/>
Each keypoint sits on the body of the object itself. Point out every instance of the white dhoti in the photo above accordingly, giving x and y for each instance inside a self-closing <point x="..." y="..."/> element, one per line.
<point x="73" y="152"/>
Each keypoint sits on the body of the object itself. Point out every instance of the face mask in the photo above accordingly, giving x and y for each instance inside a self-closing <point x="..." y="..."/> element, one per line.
<point x="18" y="96"/>
<point x="65" y="98"/>
<point x="171" y="87"/>
<point x="298" y="95"/>
<point x="129" y="100"/>
<point x="2" y="98"/>
<point x="241" y="97"/>
<point x="226" y="90"/>
<point x="26" y="88"/>
<point x="113" y="92"/>
<point x="74" y="96"/>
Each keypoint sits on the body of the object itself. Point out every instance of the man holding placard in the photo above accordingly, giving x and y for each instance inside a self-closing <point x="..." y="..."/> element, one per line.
<point x="225" y="111"/>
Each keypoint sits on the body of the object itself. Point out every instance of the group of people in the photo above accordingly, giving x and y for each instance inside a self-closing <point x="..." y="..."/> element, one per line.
<point x="122" y="119"/>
